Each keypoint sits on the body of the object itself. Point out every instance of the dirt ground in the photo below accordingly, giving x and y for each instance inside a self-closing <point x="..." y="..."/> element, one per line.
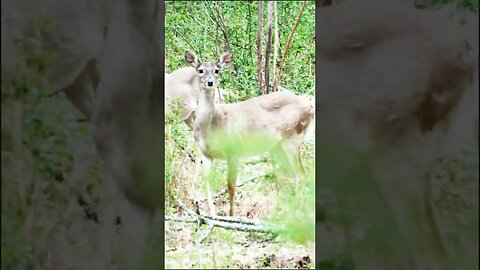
<point x="227" y="248"/>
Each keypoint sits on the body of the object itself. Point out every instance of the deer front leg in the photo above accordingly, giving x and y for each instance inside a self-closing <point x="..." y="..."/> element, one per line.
<point x="232" y="181"/>
<point x="198" y="166"/>
<point x="206" y="174"/>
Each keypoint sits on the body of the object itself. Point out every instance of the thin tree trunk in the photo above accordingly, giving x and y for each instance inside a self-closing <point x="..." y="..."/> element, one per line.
<point x="279" y="75"/>
<point x="222" y="26"/>
<point x="249" y="30"/>
<point x="268" y="47"/>
<point x="275" y="40"/>
<point x="259" y="46"/>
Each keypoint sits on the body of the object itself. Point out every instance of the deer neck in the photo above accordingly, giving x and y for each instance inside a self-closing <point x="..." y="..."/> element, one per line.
<point x="204" y="115"/>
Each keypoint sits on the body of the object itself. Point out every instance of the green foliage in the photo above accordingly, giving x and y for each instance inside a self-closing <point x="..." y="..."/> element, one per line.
<point x="192" y="26"/>
<point x="296" y="214"/>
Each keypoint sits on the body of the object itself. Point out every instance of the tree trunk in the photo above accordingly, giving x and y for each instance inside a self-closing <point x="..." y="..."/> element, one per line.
<point x="259" y="46"/>
<point x="279" y="75"/>
<point x="275" y="40"/>
<point x="249" y="30"/>
<point x="268" y="47"/>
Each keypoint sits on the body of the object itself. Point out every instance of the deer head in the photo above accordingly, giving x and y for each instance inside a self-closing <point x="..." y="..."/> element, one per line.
<point x="209" y="72"/>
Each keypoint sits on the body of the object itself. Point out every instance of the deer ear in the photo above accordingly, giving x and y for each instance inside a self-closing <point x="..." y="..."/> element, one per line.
<point x="225" y="60"/>
<point x="192" y="59"/>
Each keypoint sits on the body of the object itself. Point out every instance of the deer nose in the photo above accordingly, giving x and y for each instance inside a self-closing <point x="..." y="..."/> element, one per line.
<point x="210" y="83"/>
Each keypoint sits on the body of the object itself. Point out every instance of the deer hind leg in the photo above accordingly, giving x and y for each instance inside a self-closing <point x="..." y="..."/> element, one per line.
<point x="293" y="153"/>
<point x="285" y="161"/>
<point x="300" y="168"/>
<point x="232" y="181"/>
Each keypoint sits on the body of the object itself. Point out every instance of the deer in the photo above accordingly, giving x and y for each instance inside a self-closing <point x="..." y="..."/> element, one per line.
<point x="228" y="131"/>
<point x="181" y="92"/>
<point x="106" y="61"/>
<point x="181" y="85"/>
<point x="397" y="84"/>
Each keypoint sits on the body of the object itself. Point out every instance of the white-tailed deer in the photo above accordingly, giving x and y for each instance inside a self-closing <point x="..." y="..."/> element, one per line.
<point x="275" y="123"/>
<point x="392" y="77"/>
<point x="104" y="56"/>
<point x="183" y="86"/>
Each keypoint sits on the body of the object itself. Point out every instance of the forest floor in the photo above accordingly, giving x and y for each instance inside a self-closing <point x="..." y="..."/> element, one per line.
<point x="224" y="248"/>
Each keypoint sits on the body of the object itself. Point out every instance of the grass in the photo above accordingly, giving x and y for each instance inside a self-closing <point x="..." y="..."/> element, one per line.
<point x="262" y="199"/>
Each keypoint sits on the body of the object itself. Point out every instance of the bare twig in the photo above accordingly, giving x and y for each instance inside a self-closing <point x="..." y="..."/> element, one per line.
<point x="183" y="37"/>
<point x="180" y="203"/>
<point x="206" y="233"/>
<point x="221" y="25"/>
<point x="280" y="70"/>
<point x="207" y="13"/>
<point x="191" y="16"/>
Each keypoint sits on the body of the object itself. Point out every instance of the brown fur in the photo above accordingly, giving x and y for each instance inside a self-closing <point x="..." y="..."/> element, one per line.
<point x="283" y="114"/>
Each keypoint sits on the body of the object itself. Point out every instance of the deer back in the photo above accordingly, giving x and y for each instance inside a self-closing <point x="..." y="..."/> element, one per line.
<point x="273" y="118"/>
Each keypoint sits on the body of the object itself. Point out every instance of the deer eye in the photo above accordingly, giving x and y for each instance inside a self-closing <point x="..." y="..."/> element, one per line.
<point x="217" y="71"/>
<point x="200" y="71"/>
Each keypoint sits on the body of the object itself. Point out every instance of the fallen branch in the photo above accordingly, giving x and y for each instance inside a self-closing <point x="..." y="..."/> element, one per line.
<point x="190" y="212"/>
<point x="231" y="223"/>
<point x="180" y="219"/>
<point x="242" y="227"/>
<point x="227" y="223"/>
<point x="237" y="220"/>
